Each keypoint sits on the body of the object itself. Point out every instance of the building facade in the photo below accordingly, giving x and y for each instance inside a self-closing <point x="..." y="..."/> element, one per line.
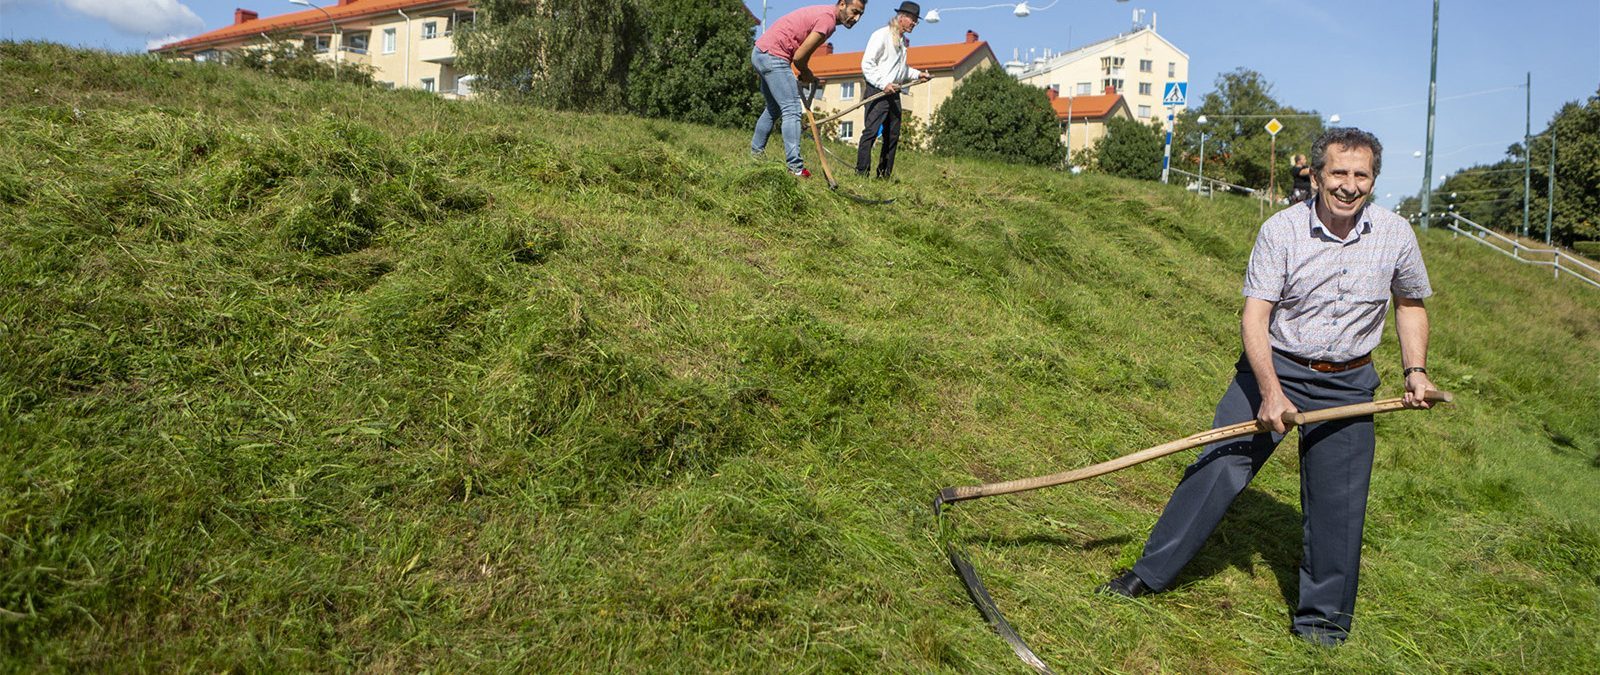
<point x="1136" y="65"/>
<point x="948" y="64"/>
<point x="1083" y="118"/>
<point x="406" y="43"/>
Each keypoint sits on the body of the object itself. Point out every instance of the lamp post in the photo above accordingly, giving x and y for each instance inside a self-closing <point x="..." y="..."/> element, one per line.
<point x="336" y="34"/>
<point x="1201" y="120"/>
<point x="1433" y="97"/>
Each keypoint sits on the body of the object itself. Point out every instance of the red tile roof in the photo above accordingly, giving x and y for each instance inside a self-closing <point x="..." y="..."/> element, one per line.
<point x="310" y="18"/>
<point x="1088" y="107"/>
<point x="931" y="57"/>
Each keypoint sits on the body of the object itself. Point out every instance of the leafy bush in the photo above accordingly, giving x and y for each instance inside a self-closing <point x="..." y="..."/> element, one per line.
<point x="563" y="54"/>
<point x="1130" y="149"/>
<point x="1588" y="248"/>
<point x="694" y="63"/>
<point x="992" y="115"/>
<point x="291" y="59"/>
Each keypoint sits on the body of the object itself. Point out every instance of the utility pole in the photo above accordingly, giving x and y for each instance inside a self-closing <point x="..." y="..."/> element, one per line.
<point x="1527" y="154"/>
<point x="1433" y="97"/>
<point x="1550" y="215"/>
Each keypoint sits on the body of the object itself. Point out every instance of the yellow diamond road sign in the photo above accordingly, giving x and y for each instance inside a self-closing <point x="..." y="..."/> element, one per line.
<point x="1274" y="126"/>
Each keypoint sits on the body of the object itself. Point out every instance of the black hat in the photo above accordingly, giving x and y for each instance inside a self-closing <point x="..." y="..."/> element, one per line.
<point x="911" y="8"/>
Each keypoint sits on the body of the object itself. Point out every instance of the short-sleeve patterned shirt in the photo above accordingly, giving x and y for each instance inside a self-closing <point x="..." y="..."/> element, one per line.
<point x="1330" y="295"/>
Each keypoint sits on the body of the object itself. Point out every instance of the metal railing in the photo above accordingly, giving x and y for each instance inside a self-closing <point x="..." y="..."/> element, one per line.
<point x="1559" y="260"/>
<point x="1214" y="183"/>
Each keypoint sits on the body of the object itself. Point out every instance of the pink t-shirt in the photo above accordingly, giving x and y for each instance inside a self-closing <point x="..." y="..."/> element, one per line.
<point x="787" y="33"/>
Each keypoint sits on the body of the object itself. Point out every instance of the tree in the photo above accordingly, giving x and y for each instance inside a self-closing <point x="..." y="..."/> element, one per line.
<point x="694" y="65"/>
<point x="1130" y="149"/>
<point x="992" y="115"/>
<point x="1238" y="147"/>
<point x="565" y="54"/>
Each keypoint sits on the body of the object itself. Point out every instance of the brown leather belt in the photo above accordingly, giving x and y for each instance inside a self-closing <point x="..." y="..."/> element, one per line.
<point x="1328" y="366"/>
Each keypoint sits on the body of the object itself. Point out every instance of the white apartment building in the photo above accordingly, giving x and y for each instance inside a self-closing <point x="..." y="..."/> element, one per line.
<point x="1137" y="64"/>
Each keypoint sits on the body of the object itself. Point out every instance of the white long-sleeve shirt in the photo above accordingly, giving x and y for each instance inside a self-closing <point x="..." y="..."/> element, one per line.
<point x="884" y="62"/>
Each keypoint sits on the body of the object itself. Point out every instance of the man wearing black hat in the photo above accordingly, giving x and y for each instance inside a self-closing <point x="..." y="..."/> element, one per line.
<point x="884" y="67"/>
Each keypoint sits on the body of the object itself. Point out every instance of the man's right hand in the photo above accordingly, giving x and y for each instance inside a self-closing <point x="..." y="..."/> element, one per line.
<point x="808" y="77"/>
<point x="893" y="88"/>
<point x="1270" y="415"/>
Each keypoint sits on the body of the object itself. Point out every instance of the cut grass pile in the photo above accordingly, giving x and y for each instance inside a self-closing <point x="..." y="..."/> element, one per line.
<point x="296" y="376"/>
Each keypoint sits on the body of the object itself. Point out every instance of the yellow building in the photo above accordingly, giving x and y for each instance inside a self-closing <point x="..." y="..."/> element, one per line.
<point x="947" y="64"/>
<point x="1136" y="65"/>
<point x="406" y="43"/>
<point x="1084" y="118"/>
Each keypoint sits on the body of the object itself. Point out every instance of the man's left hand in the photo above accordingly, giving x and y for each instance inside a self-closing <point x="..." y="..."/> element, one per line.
<point x="1418" y="384"/>
<point x="924" y="77"/>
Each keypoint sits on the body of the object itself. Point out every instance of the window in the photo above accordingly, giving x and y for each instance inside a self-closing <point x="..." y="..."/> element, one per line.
<point x="427" y="85"/>
<point x="430" y="30"/>
<point x="1144" y="88"/>
<point x="1172" y="69"/>
<point x="388" y="40"/>
<point x="1146" y="65"/>
<point x="1085" y="88"/>
<point x="847" y="130"/>
<point x="318" y="43"/>
<point x="1113" y="82"/>
<point x="1144" y="111"/>
<point x="847" y="90"/>
<point x="356" y="42"/>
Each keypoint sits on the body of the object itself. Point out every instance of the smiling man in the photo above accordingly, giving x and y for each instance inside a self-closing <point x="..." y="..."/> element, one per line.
<point x="1316" y="290"/>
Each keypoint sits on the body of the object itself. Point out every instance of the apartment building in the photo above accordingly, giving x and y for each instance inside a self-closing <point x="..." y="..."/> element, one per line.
<point x="948" y="64"/>
<point x="1136" y="65"/>
<point x="406" y="43"/>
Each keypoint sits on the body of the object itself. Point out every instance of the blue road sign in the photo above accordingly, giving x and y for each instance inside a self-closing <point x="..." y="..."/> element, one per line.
<point x="1176" y="93"/>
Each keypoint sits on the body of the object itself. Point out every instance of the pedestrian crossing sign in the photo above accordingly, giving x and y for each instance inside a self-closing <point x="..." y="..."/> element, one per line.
<point x="1177" y="93"/>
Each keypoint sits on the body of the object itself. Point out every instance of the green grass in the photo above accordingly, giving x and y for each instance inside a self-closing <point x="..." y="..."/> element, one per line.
<point x="298" y="376"/>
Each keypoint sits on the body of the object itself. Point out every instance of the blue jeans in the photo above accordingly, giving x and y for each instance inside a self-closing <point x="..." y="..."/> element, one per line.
<point x="782" y="92"/>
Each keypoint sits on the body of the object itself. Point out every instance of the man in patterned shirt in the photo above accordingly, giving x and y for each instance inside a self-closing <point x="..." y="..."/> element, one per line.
<point x="1317" y="288"/>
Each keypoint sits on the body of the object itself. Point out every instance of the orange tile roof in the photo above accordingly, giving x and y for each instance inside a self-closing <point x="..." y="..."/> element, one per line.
<point x="310" y="18"/>
<point x="1087" y="107"/>
<point x="931" y="57"/>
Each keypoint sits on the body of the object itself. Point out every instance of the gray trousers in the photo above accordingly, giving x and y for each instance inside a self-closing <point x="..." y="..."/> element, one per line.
<point x="1335" y="470"/>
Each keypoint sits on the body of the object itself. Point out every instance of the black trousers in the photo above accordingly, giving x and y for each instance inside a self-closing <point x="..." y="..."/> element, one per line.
<point x="885" y="113"/>
<point x="1335" y="471"/>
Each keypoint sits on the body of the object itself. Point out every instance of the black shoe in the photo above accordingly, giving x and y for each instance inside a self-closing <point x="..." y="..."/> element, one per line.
<point x="1128" y="585"/>
<point x="861" y="173"/>
<point x="1322" y="638"/>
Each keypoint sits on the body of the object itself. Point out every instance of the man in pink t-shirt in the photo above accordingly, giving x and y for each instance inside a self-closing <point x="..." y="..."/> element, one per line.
<point x="784" y="50"/>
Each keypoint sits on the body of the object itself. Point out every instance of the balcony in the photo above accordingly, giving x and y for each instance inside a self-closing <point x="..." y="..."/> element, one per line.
<point x="439" y="49"/>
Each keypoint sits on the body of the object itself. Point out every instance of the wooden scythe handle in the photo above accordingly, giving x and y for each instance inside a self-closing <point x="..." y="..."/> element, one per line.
<point x="865" y="101"/>
<point x="954" y="494"/>
<point x="821" y="154"/>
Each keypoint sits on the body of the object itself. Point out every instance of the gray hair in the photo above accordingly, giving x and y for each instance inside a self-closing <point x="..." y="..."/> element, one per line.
<point x="1349" y="137"/>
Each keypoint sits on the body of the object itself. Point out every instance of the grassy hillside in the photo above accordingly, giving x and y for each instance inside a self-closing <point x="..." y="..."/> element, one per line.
<point x="304" y="377"/>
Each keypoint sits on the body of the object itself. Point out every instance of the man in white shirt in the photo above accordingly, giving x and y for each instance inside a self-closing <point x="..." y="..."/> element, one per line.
<point x="885" y="69"/>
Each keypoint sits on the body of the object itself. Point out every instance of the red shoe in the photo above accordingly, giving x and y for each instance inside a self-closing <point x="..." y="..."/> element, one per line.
<point x="803" y="173"/>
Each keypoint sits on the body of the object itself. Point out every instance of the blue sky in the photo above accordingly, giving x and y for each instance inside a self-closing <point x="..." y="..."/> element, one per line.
<point x="1366" y="60"/>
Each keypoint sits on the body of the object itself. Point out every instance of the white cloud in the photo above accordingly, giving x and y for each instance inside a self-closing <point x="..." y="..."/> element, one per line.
<point x="164" y="41"/>
<point x="141" y="17"/>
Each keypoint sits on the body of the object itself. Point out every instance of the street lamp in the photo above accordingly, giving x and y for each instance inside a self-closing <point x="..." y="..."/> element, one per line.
<point x="1019" y="10"/>
<point x="336" y="34"/>
<point x="1201" y="120"/>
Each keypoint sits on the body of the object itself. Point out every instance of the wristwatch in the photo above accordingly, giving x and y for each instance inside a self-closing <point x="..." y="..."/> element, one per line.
<point x="1414" y="369"/>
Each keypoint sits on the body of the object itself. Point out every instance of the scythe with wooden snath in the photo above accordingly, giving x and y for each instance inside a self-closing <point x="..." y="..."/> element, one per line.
<point x="950" y="495"/>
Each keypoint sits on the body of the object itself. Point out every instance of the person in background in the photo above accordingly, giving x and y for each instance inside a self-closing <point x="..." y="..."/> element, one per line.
<point x="1320" y="280"/>
<point x="1302" y="180"/>
<point x="884" y="67"/>
<point x="782" y="55"/>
